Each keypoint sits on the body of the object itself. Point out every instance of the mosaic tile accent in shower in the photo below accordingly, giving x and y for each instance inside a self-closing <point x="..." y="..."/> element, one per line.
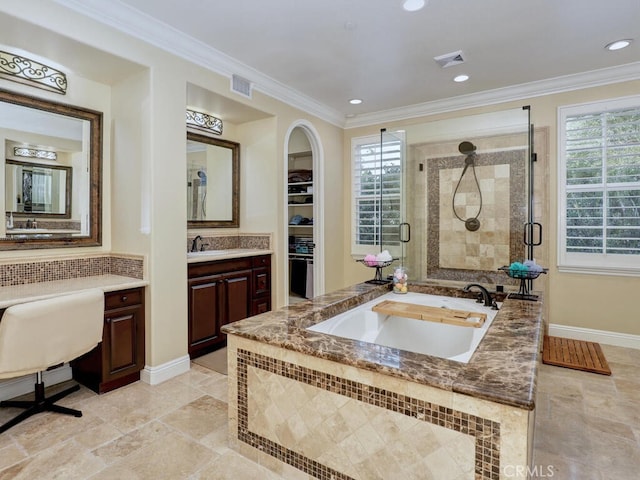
<point x="360" y="410"/>
<point x="21" y="273"/>
<point x="452" y="252"/>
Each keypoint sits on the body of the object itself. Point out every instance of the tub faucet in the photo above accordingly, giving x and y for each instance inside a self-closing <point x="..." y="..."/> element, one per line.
<point x="489" y="301"/>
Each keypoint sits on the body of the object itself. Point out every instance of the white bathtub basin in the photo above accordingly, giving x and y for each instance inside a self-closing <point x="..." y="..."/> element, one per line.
<point x="420" y="336"/>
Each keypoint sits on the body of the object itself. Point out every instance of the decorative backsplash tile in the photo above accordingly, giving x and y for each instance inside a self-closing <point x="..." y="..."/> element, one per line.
<point x="20" y="273"/>
<point x="227" y="242"/>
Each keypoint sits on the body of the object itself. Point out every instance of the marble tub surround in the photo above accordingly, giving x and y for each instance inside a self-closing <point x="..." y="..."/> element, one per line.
<point x="335" y="408"/>
<point x="503" y="368"/>
<point x="27" y="271"/>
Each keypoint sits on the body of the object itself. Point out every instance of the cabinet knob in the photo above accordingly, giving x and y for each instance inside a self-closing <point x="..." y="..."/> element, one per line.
<point x="123" y="298"/>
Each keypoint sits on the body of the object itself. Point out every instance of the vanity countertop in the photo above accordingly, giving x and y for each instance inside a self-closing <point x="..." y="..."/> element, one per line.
<point x="503" y="369"/>
<point x="12" y="295"/>
<point x="225" y="254"/>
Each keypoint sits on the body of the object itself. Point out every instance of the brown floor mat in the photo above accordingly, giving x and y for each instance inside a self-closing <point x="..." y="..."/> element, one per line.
<point x="575" y="354"/>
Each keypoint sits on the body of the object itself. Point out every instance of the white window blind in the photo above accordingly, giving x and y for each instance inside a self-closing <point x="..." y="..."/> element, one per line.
<point x="599" y="186"/>
<point x="376" y="193"/>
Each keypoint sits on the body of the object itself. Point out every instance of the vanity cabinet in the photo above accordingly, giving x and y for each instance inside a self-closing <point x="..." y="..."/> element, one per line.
<point x="222" y="292"/>
<point x="116" y="361"/>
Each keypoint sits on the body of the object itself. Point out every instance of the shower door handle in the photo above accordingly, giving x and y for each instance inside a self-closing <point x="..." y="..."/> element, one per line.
<point x="407" y="229"/>
<point x="529" y="228"/>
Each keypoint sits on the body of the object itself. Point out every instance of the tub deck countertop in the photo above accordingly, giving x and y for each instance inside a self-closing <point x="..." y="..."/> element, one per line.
<point x="503" y="369"/>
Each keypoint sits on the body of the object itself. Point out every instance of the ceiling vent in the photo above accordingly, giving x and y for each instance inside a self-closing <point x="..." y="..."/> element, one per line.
<point x="450" y="59"/>
<point x="241" y="86"/>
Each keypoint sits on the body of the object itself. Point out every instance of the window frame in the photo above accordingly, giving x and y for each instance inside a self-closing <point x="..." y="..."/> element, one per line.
<point x="359" y="250"/>
<point x="589" y="263"/>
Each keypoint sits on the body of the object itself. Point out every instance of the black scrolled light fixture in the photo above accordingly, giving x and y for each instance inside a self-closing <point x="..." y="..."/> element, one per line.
<point x="21" y="69"/>
<point x="205" y="122"/>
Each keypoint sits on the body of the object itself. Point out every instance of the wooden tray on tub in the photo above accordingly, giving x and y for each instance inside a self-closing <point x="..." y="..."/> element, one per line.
<point x="451" y="316"/>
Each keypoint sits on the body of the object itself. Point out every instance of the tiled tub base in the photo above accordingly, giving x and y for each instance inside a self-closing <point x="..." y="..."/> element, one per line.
<point x="295" y="413"/>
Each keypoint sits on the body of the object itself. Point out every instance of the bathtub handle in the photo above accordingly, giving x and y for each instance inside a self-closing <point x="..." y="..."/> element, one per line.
<point x="402" y="230"/>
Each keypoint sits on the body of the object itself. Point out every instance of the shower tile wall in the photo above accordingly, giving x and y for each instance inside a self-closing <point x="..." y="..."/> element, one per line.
<point x="442" y="247"/>
<point x="488" y="247"/>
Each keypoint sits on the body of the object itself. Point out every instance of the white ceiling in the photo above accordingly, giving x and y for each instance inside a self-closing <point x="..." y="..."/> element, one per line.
<point x="328" y="51"/>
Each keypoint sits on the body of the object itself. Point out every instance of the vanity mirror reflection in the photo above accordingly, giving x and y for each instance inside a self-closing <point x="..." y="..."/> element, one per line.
<point x="52" y="173"/>
<point x="213" y="182"/>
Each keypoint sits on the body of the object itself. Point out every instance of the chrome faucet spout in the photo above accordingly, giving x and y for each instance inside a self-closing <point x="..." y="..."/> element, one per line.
<point x="486" y="296"/>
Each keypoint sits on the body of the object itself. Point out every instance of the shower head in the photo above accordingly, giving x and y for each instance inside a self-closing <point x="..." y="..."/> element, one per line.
<point x="466" y="148"/>
<point x="203" y="177"/>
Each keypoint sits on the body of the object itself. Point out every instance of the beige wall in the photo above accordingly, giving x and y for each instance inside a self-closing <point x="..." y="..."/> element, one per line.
<point x="144" y="207"/>
<point x="144" y="201"/>
<point x="600" y="302"/>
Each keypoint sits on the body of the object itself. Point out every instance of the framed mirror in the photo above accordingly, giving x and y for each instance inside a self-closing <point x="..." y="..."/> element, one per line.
<point x="51" y="175"/>
<point x="213" y="182"/>
<point x="37" y="189"/>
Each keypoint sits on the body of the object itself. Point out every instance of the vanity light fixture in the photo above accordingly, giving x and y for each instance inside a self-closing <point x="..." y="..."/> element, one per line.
<point x="21" y="69"/>
<point x="618" y="44"/>
<point x="204" y="122"/>
<point x="355" y="101"/>
<point x="34" y="153"/>
<point x="413" y="5"/>
<point x="461" y="78"/>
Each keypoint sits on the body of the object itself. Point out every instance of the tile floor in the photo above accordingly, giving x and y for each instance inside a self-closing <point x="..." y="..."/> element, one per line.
<point x="587" y="428"/>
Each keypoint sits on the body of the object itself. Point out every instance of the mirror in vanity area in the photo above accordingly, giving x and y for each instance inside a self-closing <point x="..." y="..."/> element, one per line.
<point x="213" y="182"/>
<point x="52" y="173"/>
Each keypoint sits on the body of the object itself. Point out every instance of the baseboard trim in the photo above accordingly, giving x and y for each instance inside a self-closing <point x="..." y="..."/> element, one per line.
<point x="15" y="387"/>
<point x="162" y="373"/>
<point x="600" y="336"/>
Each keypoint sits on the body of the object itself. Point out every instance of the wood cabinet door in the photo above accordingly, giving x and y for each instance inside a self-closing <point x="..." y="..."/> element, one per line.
<point x="123" y="349"/>
<point x="205" y="315"/>
<point x="237" y="296"/>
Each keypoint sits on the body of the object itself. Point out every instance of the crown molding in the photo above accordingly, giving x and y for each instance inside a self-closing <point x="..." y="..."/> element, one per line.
<point x="128" y="20"/>
<point x="137" y="24"/>
<point x="567" y="83"/>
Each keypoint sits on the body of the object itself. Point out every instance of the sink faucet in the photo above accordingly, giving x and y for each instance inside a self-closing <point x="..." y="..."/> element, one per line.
<point x="194" y="244"/>
<point x="489" y="301"/>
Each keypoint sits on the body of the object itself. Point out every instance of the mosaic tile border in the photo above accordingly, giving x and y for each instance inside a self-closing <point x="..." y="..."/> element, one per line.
<point x="516" y="159"/>
<point x="22" y="273"/>
<point x="486" y="432"/>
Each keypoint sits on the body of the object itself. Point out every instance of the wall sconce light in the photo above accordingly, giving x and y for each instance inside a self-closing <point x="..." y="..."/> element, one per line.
<point x="34" y="153"/>
<point x="204" y="122"/>
<point x="21" y="69"/>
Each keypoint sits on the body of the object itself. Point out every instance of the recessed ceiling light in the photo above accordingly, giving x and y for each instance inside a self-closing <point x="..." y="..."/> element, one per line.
<point x="461" y="78"/>
<point x="618" y="44"/>
<point x="413" y="5"/>
<point x="355" y="101"/>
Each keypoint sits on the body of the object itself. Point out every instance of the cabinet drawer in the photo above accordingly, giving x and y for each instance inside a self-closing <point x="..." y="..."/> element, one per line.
<point x="261" y="261"/>
<point x="123" y="298"/>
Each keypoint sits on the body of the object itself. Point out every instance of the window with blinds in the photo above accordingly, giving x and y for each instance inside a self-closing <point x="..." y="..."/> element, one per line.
<point x="599" y="187"/>
<point x="376" y="193"/>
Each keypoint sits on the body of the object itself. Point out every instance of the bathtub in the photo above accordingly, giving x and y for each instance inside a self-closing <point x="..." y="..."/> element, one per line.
<point x="429" y="338"/>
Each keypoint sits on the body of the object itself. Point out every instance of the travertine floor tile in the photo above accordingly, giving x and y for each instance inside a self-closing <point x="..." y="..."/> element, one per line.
<point x="587" y="428"/>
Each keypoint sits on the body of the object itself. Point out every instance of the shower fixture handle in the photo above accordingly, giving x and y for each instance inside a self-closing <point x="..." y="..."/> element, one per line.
<point x="529" y="229"/>
<point x="404" y="227"/>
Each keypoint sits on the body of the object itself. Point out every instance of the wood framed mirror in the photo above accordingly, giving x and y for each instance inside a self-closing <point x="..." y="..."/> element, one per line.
<point x="52" y="137"/>
<point x="213" y="182"/>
